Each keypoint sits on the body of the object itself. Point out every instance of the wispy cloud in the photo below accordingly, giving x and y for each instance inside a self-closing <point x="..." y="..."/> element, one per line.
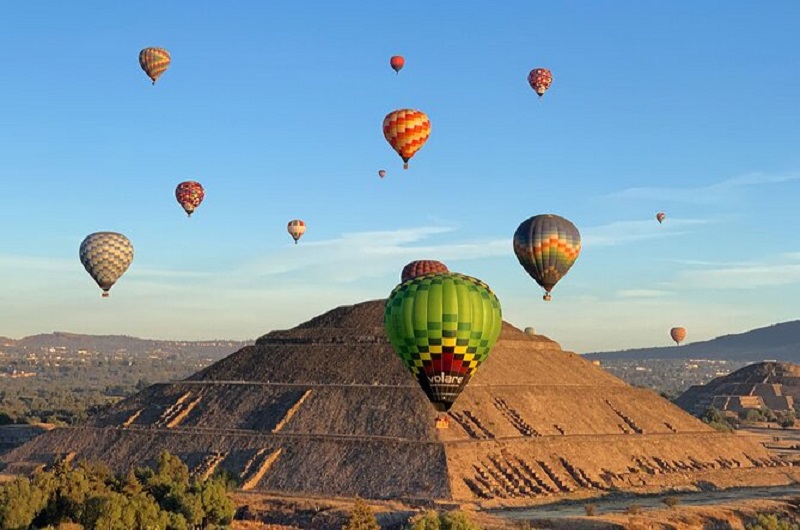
<point x="702" y="194"/>
<point x="783" y="269"/>
<point x="624" y="232"/>
<point x="38" y="263"/>
<point x="642" y="293"/>
<point x="372" y="254"/>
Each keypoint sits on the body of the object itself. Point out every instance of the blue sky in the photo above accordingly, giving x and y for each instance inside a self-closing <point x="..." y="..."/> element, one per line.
<point x="276" y="108"/>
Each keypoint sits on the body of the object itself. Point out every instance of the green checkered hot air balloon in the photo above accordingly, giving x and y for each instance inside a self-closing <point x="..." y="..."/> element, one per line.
<point x="443" y="325"/>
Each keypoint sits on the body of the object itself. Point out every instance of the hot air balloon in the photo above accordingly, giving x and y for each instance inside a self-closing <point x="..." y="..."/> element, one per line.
<point x="106" y="256"/>
<point x="382" y="173"/>
<point x="677" y="334"/>
<point x="420" y="268"/>
<point x="406" y="130"/>
<point x="540" y="80"/>
<point x="547" y="246"/>
<point x="443" y="327"/>
<point x="296" y="229"/>
<point x="660" y="216"/>
<point x="397" y="63"/>
<point x="189" y="195"/>
<point x="154" y="62"/>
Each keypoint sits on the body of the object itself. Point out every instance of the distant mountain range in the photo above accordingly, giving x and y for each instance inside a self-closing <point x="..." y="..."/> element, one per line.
<point x="779" y="342"/>
<point x="132" y="346"/>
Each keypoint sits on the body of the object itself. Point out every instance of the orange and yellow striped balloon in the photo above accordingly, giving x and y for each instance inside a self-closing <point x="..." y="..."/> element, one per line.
<point x="154" y="62"/>
<point x="406" y="130"/>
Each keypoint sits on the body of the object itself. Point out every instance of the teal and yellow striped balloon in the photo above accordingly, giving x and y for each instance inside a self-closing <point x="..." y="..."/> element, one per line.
<point x="443" y="326"/>
<point x="154" y="62"/>
<point x="547" y="246"/>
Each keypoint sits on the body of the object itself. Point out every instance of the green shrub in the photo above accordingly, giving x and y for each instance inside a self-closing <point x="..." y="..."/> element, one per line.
<point x="432" y="520"/>
<point x="772" y="522"/>
<point x="426" y="521"/>
<point x="457" y="520"/>
<point x="361" y="518"/>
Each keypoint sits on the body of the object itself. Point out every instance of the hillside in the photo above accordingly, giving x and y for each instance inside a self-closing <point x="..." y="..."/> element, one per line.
<point x="328" y="409"/>
<point x="779" y="342"/>
<point x="71" y="343"/>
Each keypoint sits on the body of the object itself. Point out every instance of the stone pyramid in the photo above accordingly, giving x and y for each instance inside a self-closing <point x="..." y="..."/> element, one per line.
<point x="328" y="409"/>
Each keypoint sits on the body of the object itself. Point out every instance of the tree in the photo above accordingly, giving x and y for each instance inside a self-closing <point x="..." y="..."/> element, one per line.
<point x="20" y="501"/>
<point x="361" y="518"/>
<point x="752" y="415"/>
<point x="426" y="521"/>
<point x="457" y="520"/>
<point x="218" y="508"/>
<point x="89" y="494"/>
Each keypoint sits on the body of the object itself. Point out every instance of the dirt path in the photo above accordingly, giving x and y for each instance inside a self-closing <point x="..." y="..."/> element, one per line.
<point x="620" y="503"/>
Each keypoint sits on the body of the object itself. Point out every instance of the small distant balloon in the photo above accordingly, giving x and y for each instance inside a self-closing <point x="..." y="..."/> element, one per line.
<point x="106" y="256"/>
<point x="540" y="80"/>
<point x="421" y="268"/>
<point x="397" y="62"/>
<point x="406" y="130"/>
<point x="677" y="334"/>
<point x="154" y="62"/>
<point x="189" y="195"/>
<point x="296" y="229"/>
<point x="382" y="173"/>
<point x="660" y="216"/>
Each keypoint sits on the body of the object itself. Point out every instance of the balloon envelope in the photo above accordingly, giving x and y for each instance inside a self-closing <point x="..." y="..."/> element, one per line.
<point x="420" y="268"/>
<point x="397" y="62"/>
<point x="547" y="246"/>
<point x="443" y="327"/>
<point x="189" y="195"/>
<point x="106" y="256"/>
<point x="677" y="334"/>
<point x="296" y="229"/>
<point x="406" y="130"/>
<point x="540" y="80"/>
<point x="154" y="62"/>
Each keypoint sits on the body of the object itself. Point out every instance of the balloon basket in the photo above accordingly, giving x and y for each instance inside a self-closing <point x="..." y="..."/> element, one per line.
<point x="547" y="297"/>
<point x="105" y="294"/>
<point x="405" y="166"/>
<point x="442" y="422"/>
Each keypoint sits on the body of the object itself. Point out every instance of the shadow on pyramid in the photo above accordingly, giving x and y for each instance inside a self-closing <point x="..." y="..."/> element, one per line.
<point x="328" y="409"/>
